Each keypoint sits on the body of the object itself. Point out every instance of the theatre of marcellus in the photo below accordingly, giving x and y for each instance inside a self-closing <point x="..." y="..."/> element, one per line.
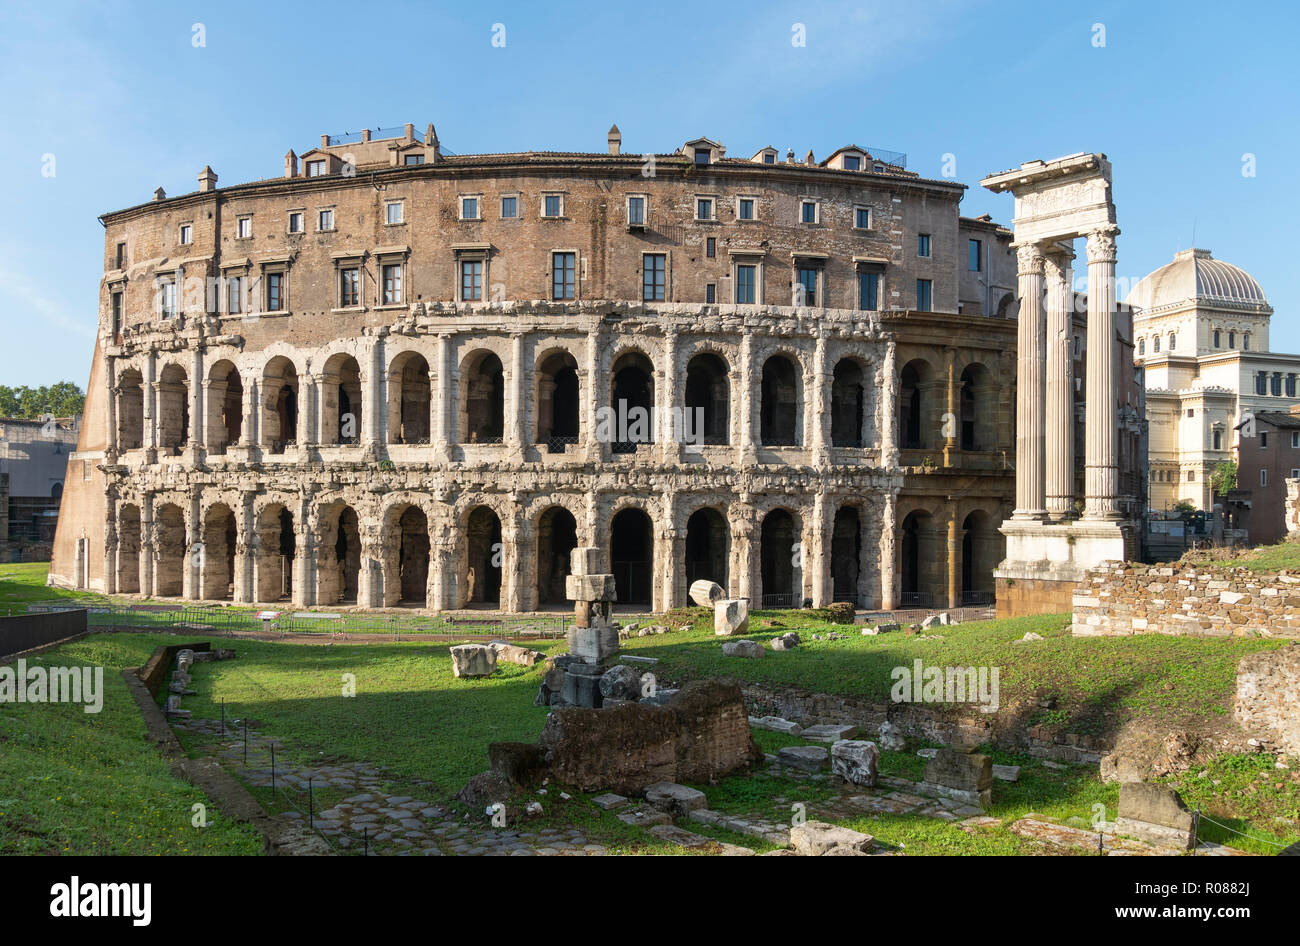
<point x="394" y="376"/>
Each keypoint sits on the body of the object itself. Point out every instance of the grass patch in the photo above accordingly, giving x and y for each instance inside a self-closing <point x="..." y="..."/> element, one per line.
<point x="1268" y="558"/>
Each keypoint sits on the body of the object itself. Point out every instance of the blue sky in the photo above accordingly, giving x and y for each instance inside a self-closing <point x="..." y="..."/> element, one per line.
<point x="125" y="102"/>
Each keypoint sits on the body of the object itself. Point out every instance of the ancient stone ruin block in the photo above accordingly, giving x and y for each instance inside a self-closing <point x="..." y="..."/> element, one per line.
<point x="590" y="587"/>
<point x="620" y="682"/>
<point x="742" y="649"/>
<point x="808" y="758"/>
<point x="473" y="660"/>
<point x="816" y="838"/>
<point x="730" y="616"/>
<point x="676" y="799"/>
<point x="965" y="776"/>
<point x="706" y="593"/>
<point x="785" y="642"/>
<point x="597" y="646"/>
<point x="585" y="560"/>
<point x="1157" y="814"/>
<point x="854" y="760"/>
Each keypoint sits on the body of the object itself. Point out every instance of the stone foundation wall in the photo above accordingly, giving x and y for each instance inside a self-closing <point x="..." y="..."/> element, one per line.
<point x="1118" y="599"/>
<point x="1023" y="597"/>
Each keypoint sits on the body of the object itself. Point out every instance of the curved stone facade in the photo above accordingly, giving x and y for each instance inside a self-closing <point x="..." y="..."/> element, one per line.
<point x="430" y="405"/>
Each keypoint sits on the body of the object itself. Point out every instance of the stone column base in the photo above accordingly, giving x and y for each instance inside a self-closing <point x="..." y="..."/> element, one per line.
<point x="1046" y="561"/>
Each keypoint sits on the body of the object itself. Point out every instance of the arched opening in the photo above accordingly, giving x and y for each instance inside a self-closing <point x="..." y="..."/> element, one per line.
<point x="485" y="556"/>
<point x="169" y="555"/>
<point x="409" y="399"/>
<point x="778" y="554"/>
<point x="173" y="409"/>
<point x="848" y="400"/>
<point x="128" y="550"/>
<point x="912" y="431"/>
<point x="708" y="397"/>
<point x="632" y="398"/>
<point x="1004" y="306"/>
<point x="981" y="550"/>
<point x="976" y="410"/>
<point x="557" y="537"/>
<point x="846" y="555"/>
<point x="779" y="412"/>
<point x="707" y="541"/>
<point x="918" y="567"/>
<point x="557" y="401"/>
<point x="225" y="407"/>
<point x="482" y="391"/>
<point x="631" y="557"/>
<point x="276" y="549"/>
<point x="338" y="558"/>
<point x="217" y="575"/>
<point x="279" y="404"/>
<point x="130" y="410"/>
<point x="341" y="402"/>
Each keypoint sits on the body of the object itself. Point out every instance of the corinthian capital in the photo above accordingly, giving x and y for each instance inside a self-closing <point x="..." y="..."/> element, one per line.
<point x="1101" y="245"/>
<point x="1029" y="259"/>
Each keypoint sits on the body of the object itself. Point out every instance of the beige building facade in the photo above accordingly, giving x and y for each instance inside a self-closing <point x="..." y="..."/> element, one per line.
<point x="395" y="377"/>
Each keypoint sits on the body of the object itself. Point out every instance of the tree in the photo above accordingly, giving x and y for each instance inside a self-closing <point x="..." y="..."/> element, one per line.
<point x="1224" y="477"/>
<point x="63" y="399"/>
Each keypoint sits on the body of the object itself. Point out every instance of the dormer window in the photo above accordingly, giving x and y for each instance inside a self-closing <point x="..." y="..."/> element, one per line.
<point x="852" y="162"/>
<point x="411" y="160"/>
<point x="703" y="155"/>
<point x="316" y="168"/>
<point x="769" y="157"/>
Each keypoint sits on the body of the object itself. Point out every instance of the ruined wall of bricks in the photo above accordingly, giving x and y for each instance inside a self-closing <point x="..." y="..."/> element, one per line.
<point x="378" y="452"/>
<point x="1293" y="508"/>
<point x="1119" y="599"/>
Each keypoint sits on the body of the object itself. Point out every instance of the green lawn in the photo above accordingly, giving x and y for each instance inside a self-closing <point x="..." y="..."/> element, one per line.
<point x="1269" y="558"/>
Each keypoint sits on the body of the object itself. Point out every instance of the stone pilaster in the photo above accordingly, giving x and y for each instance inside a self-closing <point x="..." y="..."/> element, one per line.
<point x="818" y="407"/>
<point x="746" y="455"/>
<point x="888" y="418"/>
<point x="667" y="396"/>
<point x="889" y="552"/>
<point x="1101" y="472"/>
<point x="440" y="398"/>
<point x="1031" y="498"/>
<point x="516" y="432"/>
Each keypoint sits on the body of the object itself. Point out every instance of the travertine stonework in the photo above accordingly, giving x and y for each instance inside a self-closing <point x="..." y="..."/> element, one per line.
<point x="443" y="438"/>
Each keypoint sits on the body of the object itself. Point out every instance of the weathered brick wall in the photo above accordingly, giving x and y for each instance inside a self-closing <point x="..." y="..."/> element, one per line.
<point x="1118" y="599"/>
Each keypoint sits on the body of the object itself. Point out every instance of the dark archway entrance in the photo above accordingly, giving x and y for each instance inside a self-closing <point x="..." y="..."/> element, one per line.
<point x="557" y="537"/>
<point x="706" y="547"/>
<point x="631" y="555"/>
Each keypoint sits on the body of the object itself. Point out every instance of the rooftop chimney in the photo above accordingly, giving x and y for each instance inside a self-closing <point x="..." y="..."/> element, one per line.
<point x="410" y="131"/>
<point x="324" y="141"/>
<point x="290" y="164"/>
<point x="160" y="194"/>
<point x="615" y="140"/>
<point x="809" y="159"/>
<point x="207" y="179"/>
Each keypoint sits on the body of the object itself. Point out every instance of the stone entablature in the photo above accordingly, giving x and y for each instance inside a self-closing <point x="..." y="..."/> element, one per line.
<point x="1117" y="599"/>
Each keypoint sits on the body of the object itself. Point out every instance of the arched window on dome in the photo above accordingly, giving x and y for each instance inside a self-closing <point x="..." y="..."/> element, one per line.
<point x="1216" y="338"/>
<point x="1155" y="344"/>
<point x="1142" y="346"/>
<point x="1173" y="341"/>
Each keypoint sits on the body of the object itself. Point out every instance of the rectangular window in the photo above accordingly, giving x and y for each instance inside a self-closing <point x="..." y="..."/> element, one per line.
<point x="702" y="155"/>
<point x="852" y="162"/>
<point x="711" y="247"/>
<point x="1295" y="474"/>
<point x="393" y="212"/>
<point x="704" y="208"/>
<point x="808" y="211"/>
<point x="411" y="160"/>
<point x="1263" y="440"/>
<point x="862" y="218"/>
<point x="187" y="234"/>
<point x="274" y="292"/>
<point x="746" y="284"/>
<point x="1263" y="477"/>
<point x="923" y="244"/>
<point x="745" y="210"/>
<point x="469" y="208"/>
<point x="1218" y="440"/>
<point x="1290" y="385"/>
<point x="349" y="287"/>
<point x="806" y="291"/>
<point x="710" y="293"/>
<point x="769" y="158"/>
<point x="325" y="221"/>
<point x="652" y="278"/>
<point x="636" y="211"/>
<point x="976" y="253"/>
<point x="1191" y="476"/>
<point x="117" y="314"/>
<point x="562" y="275"/>
<point x="924" y="293"/>
<point x="392" y="282"/>
<point x="119" y="258"/>
<point x="234" y="294"/>
<point x="471" y="280"/>
<point x="1275" y="386"/>
<point x="553" y="206"/>
<point x="295" y="223"/>
<point x="1295" y="439"/>
<point x="245" y="225"/>
<point x="1261" y="382"/>
<point x="167" y="298"/>
<point x="315" y="168"/>
<point x="509" y="208"/>
<point x="868" y="291"/>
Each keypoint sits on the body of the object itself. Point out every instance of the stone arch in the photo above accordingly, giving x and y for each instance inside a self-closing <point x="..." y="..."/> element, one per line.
<point x="780" y="559"/>
<point x="848" y="403"/>
<point x="631" y="400"/>
<point x="280" y="404"/>
<point x="219" y="537"/>
<point x="977" y="408"/>
<point x="170" y="553"/>
<point x="915" y="404"/>
<point x="981" y="550"/>
<point x="1005" y="304"/>
<point x="341" y="382"/>
<point x="276" y="551"/>
<point x="130" y="409"/>
<point x="225" y="406"/>
<point x="338" y="554"/>
<point x="780" y="399"/>
<point x="556" y="536"/>
<point x="631" y="555"/>
<point x="128" y="549"/>
<point x="558" y="399"/>
<point x="708" y="398"/>
<point x="482" y="397"/>
<point x="847" y="546"/>
<point x="707" y="546"/>
<point x="922" y="558"/>
<point x="409" y="398"/>
<point x="173" y="408"/>
<point x="484" y="557"/>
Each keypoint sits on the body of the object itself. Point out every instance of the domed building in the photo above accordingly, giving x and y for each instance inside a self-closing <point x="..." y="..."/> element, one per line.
<point x="1201" y="332"/>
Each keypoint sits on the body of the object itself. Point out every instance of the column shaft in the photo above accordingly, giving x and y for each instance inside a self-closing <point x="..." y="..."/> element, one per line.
<point x="1101" y="473"/>
<point x="1031" y="500"/>
<point x="1059" y="453"/>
